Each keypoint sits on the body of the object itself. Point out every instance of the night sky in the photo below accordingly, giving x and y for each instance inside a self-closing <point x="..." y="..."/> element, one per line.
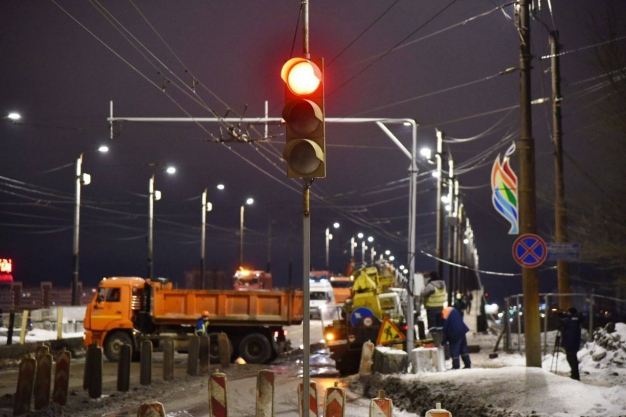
<point x="64" y="61"/>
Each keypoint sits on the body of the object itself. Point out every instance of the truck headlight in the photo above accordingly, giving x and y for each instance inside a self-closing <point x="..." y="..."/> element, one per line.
<point x="330" y="337"/>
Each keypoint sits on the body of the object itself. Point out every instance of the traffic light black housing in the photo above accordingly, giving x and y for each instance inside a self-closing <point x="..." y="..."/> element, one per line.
<point x="304" y="118"/>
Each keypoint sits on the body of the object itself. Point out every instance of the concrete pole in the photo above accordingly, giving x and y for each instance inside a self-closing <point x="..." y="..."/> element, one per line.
<point x="203" y="241"/>
<point x="268" y="267"/>
<point x="150" y="228"/>
<point x="327" y="248"/>
<point x="451" y="202"/>
<point x="242" y="211"/>
<point x="352" y="245"/>
<point x="560" y="206"/>
<point x="75" y="253"/>
<point x="527" y="197"/>
<point x="439" y="245"/>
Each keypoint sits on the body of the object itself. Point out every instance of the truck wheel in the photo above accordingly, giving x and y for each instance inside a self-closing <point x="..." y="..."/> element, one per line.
<point x="255" y="348"/>
<point x="113" y="345"/>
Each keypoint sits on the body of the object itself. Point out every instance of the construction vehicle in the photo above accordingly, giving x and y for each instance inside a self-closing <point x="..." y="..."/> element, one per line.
<point x="245" y="279"/>
<point x="128" y="310"/>
<point x="342" y="287"/>
<point x="362" y="315"/>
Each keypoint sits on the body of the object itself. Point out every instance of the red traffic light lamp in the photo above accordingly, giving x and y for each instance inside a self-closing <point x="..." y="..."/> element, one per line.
<point x="304" y="118"/>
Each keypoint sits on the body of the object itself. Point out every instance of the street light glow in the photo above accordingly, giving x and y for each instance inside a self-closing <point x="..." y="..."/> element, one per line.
<point x="444" y="199"/>
<point x="370" y="239"/>
<point x="392" y="258"/>
<point x="14" y="116"/>
<point x="336" y="225"/>
<point x="466" y="241"/>
<point x="170" y="170"/>
<point x="360" y="235"/>
<point x="103" y="149"/>
<point x="426" y="153"/>
<point x="387" y="252"/>
<point x="250" y="201"/>
<point x="220" y="186"/>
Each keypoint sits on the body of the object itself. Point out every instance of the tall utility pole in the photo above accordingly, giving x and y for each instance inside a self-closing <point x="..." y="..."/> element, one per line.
<point x="328" y="237"/>
<point x="451" y="226"/>
<point x="151" y="198"/>
<point x="527" y="198"/>
<point x="439" y="248"/>
<point x="203" y="241"/>
<point x="268" y="268"/>
<point x="79" y="180"/>
<point x="560" y="206"/>
<point x="242" y="213"/>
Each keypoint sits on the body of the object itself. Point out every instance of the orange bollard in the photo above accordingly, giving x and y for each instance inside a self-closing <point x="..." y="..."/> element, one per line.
<point x="61" y="378"/>
<point x="335" y="402"/>
<point x="43" y="379"/>
<point x="154" y="409"/>
<point x="438" y="412"/>
<point x="265" y="394"/>
<point x="218" y="399"/>
<point x="312" y="403"/>
<point x="25" y="384"/>
<point x="381" y="406"/>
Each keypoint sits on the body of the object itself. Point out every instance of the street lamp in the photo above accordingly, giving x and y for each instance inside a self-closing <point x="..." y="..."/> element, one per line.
<point x="81" y="179"/>
<point x="154" y="195"/>
<point x="206" y="207"/>
<point x="329" y="237"/>
<point x="14" y="117"/>
<point x="242" y="211"/>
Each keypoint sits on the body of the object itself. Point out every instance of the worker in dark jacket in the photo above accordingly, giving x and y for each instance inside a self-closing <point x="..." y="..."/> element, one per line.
<point x="434" y="296"/>
<point x="454" y="330"/>
<point x="202" y="323"/>
<point x="570" y="339"/>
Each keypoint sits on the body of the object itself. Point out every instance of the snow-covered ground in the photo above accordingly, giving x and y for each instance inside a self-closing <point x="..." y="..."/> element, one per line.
<point x="504" y="386"/>
<point x="35" y="335"/>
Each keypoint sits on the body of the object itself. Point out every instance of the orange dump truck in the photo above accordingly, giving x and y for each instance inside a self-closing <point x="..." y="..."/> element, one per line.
<point x="130" y="309"/>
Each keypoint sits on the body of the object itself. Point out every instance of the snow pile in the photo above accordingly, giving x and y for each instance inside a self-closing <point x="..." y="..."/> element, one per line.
<point x="605" y="357"/>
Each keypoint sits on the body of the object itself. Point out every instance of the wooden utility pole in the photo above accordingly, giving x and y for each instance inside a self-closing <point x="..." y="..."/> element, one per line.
<point x="560" y="206"/>
<point x="527" y="198"/>
<point x="439" y="248"/>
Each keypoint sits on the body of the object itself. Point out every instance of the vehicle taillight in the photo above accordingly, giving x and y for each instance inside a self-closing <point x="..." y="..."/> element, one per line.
<point x="405" y="328"/>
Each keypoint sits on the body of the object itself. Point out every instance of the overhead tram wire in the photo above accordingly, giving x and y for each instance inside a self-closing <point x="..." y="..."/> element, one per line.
<point x="390" y="50"/>
<point x="362" y="33"/>
<point x="452" y="140"/>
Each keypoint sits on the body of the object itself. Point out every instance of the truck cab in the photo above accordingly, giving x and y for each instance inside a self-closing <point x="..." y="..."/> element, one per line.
<point x="322" y="297"/>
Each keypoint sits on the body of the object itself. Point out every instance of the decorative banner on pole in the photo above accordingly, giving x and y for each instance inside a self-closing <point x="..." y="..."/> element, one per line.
<point x="504" y="190"/>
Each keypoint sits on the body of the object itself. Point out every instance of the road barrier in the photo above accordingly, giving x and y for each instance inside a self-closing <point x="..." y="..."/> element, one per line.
<point x="193" y="354"/>
<point x="25" y="383"/>
<point x="24" y="326"/>
<point x="365" y="368"/>
<point x="168" y="360"/>
<point x="154" y="409"/>
<point x="381" y="406"/>
<point x="335" y="402"/>
<point x="205" y="345"/>
<point x="145" y="367"/>
<point x="40" y="350"/>
<point x="218" y="399"/>
<point x="265" y="394"/>
<point x="222" y="343"/>
<point x="312" y="403"/>
<point x="123" y="368"/>
<point x="61" y="378"/>
<point x="438" y="412"/>
<point x="94" y="377"/>
<point x="43" y="377"/>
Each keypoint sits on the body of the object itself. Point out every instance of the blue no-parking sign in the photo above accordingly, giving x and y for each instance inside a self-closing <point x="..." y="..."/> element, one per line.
<point x="529" y="250"/>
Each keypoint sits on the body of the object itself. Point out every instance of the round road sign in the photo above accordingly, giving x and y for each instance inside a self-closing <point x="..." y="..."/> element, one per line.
<point x="529" y="250"/>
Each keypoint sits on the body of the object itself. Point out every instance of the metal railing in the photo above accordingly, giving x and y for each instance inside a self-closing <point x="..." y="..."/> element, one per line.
<point x="585" y="302"/>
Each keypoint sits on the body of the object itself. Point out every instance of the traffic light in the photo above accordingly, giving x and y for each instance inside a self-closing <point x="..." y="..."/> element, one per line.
<point x="304" y="117"/>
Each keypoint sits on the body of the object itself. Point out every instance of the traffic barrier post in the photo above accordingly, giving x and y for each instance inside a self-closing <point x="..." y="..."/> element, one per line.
<point x="307" y="408"/>
<point x="218" y="398"/>
<point x="11" y="325"/>
<point x="25" y="383"/>
<point x="205" y="345"/>
<point x="381" y="406"/>
<point x="41" y="350"/>
<point x="95" y="374"/>
<point x="168" y="360"/>
<point x="365" y="368"/>
<point x="59" y="323"/>
<point x="265" y="394"/>
<point x="222" y="343"/>
<point x="61" y="377"/>
<point x="193" y="352"/>
<point x="438" y="412"/>
<point x="88" y="366"/>
<point x="123" y="368"/>
<point x="153" y="409"/>
<point x="145" y="366"/>
<point x="24" y="326"/>
<point x="43" y="379"/>
<point x="335" y="401"/>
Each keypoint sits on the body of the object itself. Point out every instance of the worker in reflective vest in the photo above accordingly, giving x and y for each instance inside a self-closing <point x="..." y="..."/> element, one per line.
<point x="434" y="296"/>
<point x="202" y="323"/>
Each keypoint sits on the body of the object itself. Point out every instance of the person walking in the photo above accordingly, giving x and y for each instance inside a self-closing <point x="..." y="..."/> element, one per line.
<point x="434" y="296"/>
<point x="454" y="330"/>
<point x="468" y="301"/>
<point x="202" y="323"/>
<point x="570" y="326"/>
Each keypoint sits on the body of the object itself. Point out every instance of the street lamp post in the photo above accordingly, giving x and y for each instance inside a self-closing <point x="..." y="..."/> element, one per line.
<point x="154" y="195"/>
<point x="242" y="212"/>
<point x="206" y="207"/>
<point x="329" y="237"/>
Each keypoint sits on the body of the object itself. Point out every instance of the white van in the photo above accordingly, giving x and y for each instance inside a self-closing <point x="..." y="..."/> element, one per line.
<point x="322" y="297"/>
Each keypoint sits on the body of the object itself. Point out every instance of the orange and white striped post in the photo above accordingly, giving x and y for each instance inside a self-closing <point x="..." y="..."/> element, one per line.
<point x="438" y="412"/>
<point x="265" y="394"/>
<point x="218" y="403"/>
<point x="312" y="403"/>
<point x="365" y="368"/>
<point x="335" y="402"/>
<point x="381" y="406"/>
<point x="153" y="409"/>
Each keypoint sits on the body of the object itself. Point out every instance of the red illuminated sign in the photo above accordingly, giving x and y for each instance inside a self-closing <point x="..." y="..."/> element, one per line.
<point x="6" y="266"/>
